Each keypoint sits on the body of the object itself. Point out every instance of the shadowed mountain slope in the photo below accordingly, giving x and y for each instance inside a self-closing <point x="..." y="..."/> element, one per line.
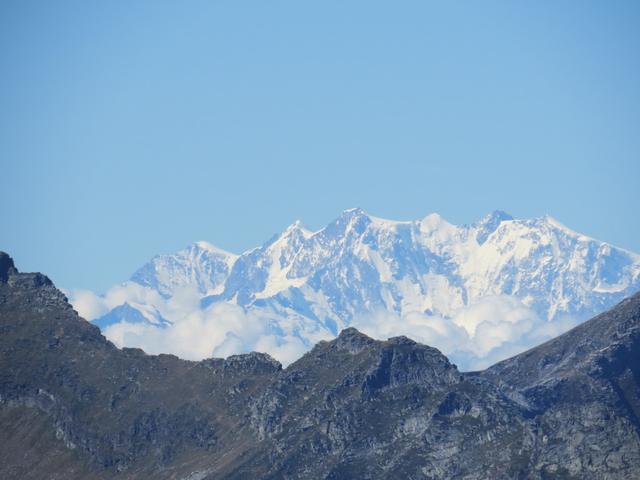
<point x="72" y="405"/>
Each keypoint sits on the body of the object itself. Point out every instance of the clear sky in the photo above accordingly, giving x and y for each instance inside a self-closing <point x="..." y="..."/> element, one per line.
<point x="131" y="128"/>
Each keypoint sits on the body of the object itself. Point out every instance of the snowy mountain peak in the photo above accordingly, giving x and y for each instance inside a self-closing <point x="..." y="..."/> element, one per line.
<point x="199" y="264"/>
<point x="355" y="211"/>
<point x="499" y="273"/>
<point x="434" y="221"/>
<point x="359" y="263"/>
<point x="296" y="228"/>
<point x="350" y="222"/>
<point x="353" y="217"/>
<point x="436" y="231"/>
<point x="489" y="223"/>
<point x="203" y="245"/>
<point x="297" y="224"/>
<point x="496" y="216"/>
<point x="133" y="313"/>
<point x="557" y="225"/>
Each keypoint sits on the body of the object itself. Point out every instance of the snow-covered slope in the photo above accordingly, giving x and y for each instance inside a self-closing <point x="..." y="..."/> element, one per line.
<point x="201" y="265"/>
<point x="132" y="313"/>
<point x="406" y="275"/>
<point x="360" y="264"/>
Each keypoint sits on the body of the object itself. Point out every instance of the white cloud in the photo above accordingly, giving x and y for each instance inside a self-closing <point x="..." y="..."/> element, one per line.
<point x="430" y="330"/>
<point x="91" y="306"/>
<point x="490" y="330"/>
<point x="87" y="304"/>
<point x="223" y="329"/>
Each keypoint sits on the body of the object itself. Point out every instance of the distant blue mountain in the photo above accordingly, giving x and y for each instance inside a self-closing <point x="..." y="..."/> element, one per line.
<point x="127" y="313"/>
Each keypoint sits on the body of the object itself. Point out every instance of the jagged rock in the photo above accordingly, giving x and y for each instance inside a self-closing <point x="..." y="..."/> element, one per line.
<point x="251" y="364"/>
<point x="353" y="341"/>
<point x="7" y="267"/>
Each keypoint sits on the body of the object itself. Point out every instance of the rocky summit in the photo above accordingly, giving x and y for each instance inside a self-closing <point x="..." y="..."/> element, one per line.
<point x="74" y="406"/>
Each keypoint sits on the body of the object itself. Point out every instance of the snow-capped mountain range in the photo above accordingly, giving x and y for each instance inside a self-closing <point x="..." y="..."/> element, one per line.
<point x="477" y="291"/>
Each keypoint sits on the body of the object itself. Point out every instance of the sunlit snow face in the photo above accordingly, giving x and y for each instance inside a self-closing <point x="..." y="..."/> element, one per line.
<point x="478" y="292"/>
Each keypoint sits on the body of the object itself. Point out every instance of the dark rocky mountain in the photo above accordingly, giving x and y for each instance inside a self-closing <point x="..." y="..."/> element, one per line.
<point x="72" y="405"/>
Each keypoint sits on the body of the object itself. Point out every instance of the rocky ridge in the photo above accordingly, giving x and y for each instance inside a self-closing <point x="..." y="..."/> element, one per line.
<point x="72" y="405"/>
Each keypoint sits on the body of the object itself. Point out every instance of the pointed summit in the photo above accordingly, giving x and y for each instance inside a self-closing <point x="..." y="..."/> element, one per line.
<point x="432" y="220"/>
<point x="296" y="224"/>
<point x="296" y="228"/>
<point x="490" y="224"/>
<point x="350" y="219"/>
<point x="496" y="215"/>
<point x="353" y="213"/>
<point x="353" y="340"/>
<point x="208" y="247"/>
<point x="199" y="264"/>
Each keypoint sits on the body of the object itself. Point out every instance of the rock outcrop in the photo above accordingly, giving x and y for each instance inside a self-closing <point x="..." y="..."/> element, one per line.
<point x="72" y="405"/>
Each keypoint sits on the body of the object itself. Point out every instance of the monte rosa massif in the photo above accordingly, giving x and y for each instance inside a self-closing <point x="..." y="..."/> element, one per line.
<point x="479" y="292"/>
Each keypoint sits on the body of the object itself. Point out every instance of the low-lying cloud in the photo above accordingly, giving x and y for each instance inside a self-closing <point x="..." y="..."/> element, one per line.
<point x="490" y="330"/>
<point x="221" y="330"/>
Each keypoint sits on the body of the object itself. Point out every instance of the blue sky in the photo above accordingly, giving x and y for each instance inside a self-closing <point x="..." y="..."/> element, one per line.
<point x="134" y="128"/>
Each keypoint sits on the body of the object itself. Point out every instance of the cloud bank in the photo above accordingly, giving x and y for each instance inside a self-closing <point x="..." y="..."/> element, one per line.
<point x="221" y="330"/>
<point x="490" y="330"/>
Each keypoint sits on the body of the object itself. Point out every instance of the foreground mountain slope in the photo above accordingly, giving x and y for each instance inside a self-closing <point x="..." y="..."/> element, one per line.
<point x="583" y="389"/>
<point x="353" y="407"/>
<point x="118" y="410"/>
<point x="360" y="408"/>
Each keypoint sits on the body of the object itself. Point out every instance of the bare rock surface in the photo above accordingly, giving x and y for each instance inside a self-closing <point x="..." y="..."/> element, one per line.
<point x="74" y="406"/>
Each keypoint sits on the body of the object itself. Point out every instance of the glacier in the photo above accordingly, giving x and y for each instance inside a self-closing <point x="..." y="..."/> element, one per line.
<point x="479" y="292"/>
